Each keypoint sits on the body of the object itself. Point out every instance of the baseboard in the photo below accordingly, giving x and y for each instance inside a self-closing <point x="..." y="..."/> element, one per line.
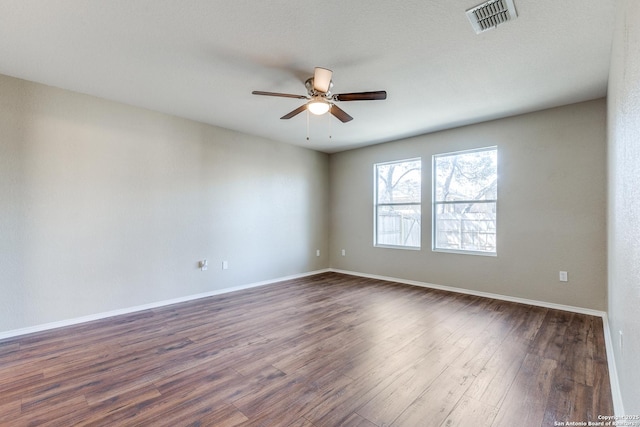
<point x="581" y="310"/>
<point x="613" y="373"/>
<point x="128" y="310"/>
<point x="616" y="395"/>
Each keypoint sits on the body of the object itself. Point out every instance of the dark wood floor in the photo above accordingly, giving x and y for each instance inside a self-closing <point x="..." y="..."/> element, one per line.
<point x="327" y="350"/>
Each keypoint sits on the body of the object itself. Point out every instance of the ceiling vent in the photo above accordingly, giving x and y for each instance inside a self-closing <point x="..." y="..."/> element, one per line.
<point x="490" y="14"/>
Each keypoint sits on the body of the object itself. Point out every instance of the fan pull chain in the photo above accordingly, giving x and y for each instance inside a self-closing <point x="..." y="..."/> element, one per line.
<point x="307" y="125"/>
<point x="329" y="118"/>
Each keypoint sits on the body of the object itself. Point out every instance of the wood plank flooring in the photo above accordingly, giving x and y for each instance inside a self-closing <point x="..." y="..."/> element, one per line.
<point x="326" y="350"/>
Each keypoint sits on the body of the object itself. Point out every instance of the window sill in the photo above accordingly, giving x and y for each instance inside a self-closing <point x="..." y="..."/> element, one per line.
<point x="406" y="248"/>
<point x="461" y="252"/>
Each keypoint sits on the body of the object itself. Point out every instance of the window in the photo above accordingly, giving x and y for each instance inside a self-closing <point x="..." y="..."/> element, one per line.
<point x="465" y="195"/>
<point x="398" y="205"/>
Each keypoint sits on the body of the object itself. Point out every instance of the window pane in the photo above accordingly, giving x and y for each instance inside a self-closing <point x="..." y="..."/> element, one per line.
<point x="398" y="203"/>
<point x="466" y="176"/>
<point x="399" y="182"/>
<point x="466" y="226"/>
<point x="398" y="225"/>
<point x="465" y="192"/>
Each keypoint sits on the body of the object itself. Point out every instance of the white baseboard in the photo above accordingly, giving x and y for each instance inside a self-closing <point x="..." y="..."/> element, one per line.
<point x="128" y="310"/>
<point x="615" y="386"/>
<point x="581" y="310"/>
<point x="616" y="395"/>
<point x="613" y="374"/>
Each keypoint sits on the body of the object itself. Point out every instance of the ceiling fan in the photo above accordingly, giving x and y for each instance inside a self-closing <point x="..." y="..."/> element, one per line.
<point x="321" y="100"/>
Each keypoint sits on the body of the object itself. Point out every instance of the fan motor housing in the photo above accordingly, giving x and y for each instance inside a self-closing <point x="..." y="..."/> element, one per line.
<point x="312" y="92"/>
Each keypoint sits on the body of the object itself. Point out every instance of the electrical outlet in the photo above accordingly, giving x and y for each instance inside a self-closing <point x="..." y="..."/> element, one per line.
<point x="564" y="276"/>
<point x="344" y="252"/>
<point x="225" y="265"/>
<point x="317" y="252"/>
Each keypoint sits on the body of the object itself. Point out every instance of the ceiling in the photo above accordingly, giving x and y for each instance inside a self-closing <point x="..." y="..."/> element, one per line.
<point x="200" y="59"/>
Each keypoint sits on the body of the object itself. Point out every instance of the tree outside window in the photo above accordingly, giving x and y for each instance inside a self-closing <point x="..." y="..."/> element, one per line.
<point x="465" y="196"/>
<point x="398" y="205"/>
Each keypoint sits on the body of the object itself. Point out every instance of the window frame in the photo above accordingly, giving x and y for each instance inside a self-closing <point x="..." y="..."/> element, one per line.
<point x="376" y="205"/>
<point x="435" y="203"/>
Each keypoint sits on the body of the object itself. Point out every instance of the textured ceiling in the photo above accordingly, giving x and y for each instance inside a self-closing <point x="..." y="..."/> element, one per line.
<point x="200" y="59"/>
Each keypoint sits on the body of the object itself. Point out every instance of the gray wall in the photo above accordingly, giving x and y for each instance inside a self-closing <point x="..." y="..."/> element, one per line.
<point x="624" y="201"/>
<point x="105" y="206"/>
<point x="551" y="208"/>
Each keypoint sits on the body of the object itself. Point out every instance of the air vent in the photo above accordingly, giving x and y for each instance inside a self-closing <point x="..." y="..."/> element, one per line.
<point x="490" y="14"/>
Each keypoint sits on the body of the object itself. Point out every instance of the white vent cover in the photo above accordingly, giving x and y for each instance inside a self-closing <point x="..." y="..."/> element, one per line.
<point x="490" y="14"/>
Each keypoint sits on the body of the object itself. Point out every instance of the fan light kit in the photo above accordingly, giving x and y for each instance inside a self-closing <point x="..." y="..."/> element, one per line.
<point x="318" y="106"/>
<point x="321" y="100"/>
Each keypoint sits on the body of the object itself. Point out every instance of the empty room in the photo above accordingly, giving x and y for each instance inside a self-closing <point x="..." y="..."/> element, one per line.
<point x="365" y="213"/>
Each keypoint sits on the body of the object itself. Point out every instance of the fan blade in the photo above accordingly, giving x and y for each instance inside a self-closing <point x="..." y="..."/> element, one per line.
<point x="340" y="114"/>
<point x="285" y="95"/>
<point x="294" y="112"/>
<point x="322" y="79"/>
<point x="361" y="96"/>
